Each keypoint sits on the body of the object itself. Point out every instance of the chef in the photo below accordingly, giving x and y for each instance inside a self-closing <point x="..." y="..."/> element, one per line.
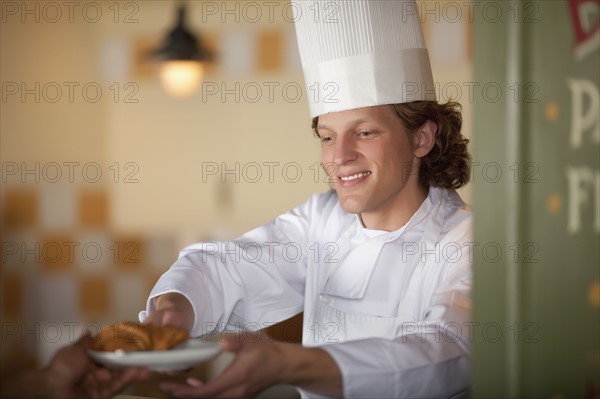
<point x="380" y="265"/>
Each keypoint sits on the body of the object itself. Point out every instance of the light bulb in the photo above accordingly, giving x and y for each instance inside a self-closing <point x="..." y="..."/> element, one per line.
<point x="181" y="79"/>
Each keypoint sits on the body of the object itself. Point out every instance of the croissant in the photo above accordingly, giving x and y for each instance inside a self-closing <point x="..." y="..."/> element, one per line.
<point x="131" y="336"/>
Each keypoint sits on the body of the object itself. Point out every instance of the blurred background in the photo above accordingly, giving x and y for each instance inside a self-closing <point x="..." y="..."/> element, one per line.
<point x="107" y="170"/>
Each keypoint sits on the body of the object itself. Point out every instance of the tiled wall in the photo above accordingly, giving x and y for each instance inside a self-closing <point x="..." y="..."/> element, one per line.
<point x="63" y="266"/>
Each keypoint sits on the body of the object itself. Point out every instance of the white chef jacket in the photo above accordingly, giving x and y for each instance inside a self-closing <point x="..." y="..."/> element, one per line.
<point x="391" y="308"/>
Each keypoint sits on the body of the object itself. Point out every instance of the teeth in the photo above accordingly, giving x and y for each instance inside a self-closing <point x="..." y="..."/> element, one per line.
<point x="356" y="176"/>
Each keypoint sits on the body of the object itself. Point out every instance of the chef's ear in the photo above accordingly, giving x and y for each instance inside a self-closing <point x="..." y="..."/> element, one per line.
<point x="425" y="139"/>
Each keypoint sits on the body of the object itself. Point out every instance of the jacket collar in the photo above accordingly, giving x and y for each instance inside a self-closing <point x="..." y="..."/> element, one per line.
<point x="351" y="277"/>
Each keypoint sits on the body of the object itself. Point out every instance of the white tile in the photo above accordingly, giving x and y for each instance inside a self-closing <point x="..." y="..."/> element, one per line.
<point x="291" y="56"/>
<point x="128" y="296"/>
<point x="95" y="251"/>
<point x="115" y="54"/>
<point x="237" y="52"/>
<point x="52" y="297"/>
<point x="161" y="252"/>
<point x="58" y="206"/>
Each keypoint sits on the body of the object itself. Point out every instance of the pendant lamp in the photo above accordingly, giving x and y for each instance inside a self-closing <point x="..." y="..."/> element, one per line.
<point x="182" y="57"/>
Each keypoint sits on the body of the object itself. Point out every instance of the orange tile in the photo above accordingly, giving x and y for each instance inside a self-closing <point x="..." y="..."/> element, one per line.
<point x="143" y="67"/>
<point x="12" y="296"/>
<point x="210" y="41"/>
<point x="21" y="208"/>
<point x="128" y="252"/>
<point x="94" y="295"/>
<point x="58" y="252"/>
<point x="270" y="51"/>
<point x="93" y="208"/>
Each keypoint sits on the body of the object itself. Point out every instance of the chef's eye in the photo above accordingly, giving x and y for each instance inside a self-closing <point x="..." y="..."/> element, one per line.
<point x="326" y="139"/>
<point x="365" y="133"/>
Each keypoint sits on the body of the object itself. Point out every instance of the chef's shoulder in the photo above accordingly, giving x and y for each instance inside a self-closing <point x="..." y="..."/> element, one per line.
<point x="458" y="220"/>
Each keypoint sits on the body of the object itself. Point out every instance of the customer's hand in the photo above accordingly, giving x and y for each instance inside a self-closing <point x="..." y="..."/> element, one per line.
<point x="71" y="373"/>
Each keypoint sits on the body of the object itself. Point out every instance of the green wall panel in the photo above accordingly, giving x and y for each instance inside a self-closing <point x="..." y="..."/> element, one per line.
<point x="545" y="135"/>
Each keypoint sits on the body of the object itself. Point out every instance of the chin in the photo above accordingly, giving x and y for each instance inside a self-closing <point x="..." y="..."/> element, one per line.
<point x="351" y="206"/>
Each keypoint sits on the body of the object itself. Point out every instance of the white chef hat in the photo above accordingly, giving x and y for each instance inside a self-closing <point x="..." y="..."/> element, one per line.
<point x="360" y="53"/>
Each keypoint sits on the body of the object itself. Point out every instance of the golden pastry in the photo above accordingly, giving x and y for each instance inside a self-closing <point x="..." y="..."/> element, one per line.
<point x="166" y="337"/>
<point x="131" y="336"/>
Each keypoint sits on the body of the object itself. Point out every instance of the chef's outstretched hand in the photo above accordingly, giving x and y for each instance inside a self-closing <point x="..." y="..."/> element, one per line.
<point x="261" y="362"/>
<point x="257" y="365"/>
<point x="172" y="309"/>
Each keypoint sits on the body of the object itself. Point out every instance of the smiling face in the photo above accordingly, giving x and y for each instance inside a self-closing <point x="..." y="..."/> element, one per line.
<point x="373" y="163"/>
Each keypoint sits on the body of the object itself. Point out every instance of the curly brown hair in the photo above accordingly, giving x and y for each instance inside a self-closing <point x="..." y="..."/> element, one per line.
<point x="448" y="164"/>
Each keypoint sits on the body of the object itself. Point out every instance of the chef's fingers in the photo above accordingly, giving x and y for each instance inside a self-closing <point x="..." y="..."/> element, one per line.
<point x="154" y="318"/>
<point x="165" y="317"/>
<point x="232" y="342"/>
<point x="236" y="342"/>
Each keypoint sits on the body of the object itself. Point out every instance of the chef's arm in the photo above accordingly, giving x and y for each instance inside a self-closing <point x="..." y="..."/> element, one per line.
<point x="247" y="283"/>
<point x="173" y="309"/>
<point x="423" y="365"/>
<point x="429" y="358"/>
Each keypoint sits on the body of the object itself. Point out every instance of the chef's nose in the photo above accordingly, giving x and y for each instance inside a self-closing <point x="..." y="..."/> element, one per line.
<point x="344" y="150"/>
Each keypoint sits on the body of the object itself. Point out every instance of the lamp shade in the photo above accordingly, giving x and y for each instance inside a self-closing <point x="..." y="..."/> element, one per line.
<point x="180" y="43"/>
<point x="181" y="55"/>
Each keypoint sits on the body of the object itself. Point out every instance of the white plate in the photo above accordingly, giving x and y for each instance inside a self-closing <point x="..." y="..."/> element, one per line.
<point x="182" y="357"/>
